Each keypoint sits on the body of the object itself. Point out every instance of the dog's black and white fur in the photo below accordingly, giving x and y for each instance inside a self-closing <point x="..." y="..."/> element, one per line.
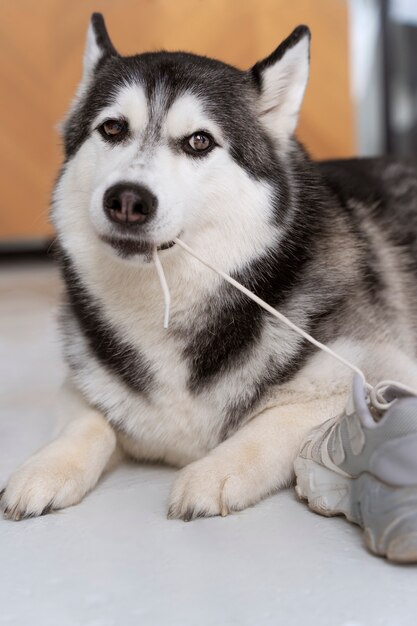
<point x="226" y="391"/>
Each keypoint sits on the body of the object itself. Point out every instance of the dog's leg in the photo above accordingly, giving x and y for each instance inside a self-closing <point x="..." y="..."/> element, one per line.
<point x="60" y="474"/>
<point x="252" y="464"/>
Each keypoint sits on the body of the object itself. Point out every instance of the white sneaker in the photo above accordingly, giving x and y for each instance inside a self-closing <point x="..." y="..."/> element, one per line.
<point x="364" y="466"/>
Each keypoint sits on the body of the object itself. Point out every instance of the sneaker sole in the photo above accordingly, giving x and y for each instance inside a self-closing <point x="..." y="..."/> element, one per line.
<point x="387" y="514"/>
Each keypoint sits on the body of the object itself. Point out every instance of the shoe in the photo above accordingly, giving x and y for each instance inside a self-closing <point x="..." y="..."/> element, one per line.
<point x="363" y="465"/>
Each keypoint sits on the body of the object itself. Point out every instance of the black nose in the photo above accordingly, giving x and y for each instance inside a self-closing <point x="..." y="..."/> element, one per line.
<point x="129" y="204"/>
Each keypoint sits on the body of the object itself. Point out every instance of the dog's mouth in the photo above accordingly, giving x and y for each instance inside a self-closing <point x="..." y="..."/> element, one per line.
<point x="129" y="247"/>
<point x="166" y="246"/>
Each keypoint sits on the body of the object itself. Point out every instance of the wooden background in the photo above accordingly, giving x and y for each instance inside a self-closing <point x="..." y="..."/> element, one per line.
<point x="42" y="41"/>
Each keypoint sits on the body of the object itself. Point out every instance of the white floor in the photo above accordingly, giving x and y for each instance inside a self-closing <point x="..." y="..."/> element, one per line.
<point x="115" y="560"/>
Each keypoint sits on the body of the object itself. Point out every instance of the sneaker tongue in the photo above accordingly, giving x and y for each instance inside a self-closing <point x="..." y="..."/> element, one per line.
<point x="386" y="392"/>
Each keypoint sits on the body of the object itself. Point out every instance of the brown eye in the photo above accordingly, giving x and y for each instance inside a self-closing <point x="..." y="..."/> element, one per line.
<point x="199" y="142"/>
<point x="113" y="129"/>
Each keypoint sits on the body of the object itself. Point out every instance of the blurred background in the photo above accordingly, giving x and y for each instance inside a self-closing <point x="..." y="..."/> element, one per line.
<point x="361" y="98"/>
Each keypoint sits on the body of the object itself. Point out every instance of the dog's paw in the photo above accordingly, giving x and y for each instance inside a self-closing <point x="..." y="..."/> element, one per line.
<point x="210" y="487"/>
<point x="39" y="486"/>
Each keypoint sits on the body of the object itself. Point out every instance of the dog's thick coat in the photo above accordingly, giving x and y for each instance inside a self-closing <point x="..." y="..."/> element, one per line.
<point x="226" y="391"/>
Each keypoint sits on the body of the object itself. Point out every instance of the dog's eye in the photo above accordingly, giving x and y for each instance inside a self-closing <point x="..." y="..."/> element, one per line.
<point x="113" y="129"/>
<point x="198" y="143"/>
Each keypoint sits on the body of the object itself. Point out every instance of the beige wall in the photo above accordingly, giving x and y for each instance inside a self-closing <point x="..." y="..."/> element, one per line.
<point x="41" y="52"/>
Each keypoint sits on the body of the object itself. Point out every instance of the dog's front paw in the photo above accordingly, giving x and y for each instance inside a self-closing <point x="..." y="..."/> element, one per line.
<point x="39" y="486"/>
<point x="213" y="486"/>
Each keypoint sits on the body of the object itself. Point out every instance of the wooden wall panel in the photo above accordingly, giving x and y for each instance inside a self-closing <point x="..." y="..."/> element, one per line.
<point x="42" y="41"/>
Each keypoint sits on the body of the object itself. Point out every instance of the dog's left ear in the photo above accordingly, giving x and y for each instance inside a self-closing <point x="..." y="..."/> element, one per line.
<point x="281" y="80"/>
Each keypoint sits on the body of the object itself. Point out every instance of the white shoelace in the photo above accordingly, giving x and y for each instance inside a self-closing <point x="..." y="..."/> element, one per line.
<point x="164" y="285"/>
<point x="376" y="393"/>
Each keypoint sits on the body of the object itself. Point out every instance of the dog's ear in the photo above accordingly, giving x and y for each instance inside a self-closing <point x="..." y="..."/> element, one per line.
<point x="281" y="80"/>
<point x="98" y="46"/>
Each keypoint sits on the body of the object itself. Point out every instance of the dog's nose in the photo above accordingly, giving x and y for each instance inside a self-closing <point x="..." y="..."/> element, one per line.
<point x="129" y="204"/>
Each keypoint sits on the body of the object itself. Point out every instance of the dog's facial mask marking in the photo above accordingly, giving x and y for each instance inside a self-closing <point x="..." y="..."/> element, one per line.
<point x="151" y="163"/>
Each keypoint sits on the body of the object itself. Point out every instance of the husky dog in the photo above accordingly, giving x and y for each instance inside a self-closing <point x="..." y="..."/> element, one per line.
<point x="162" y="145"/>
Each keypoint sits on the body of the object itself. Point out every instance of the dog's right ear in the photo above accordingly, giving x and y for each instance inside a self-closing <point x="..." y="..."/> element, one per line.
<point x="98" y="46"/>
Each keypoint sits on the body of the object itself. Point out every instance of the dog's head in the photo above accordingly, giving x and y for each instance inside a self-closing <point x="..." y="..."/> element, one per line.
<point x="163" y="144"/>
